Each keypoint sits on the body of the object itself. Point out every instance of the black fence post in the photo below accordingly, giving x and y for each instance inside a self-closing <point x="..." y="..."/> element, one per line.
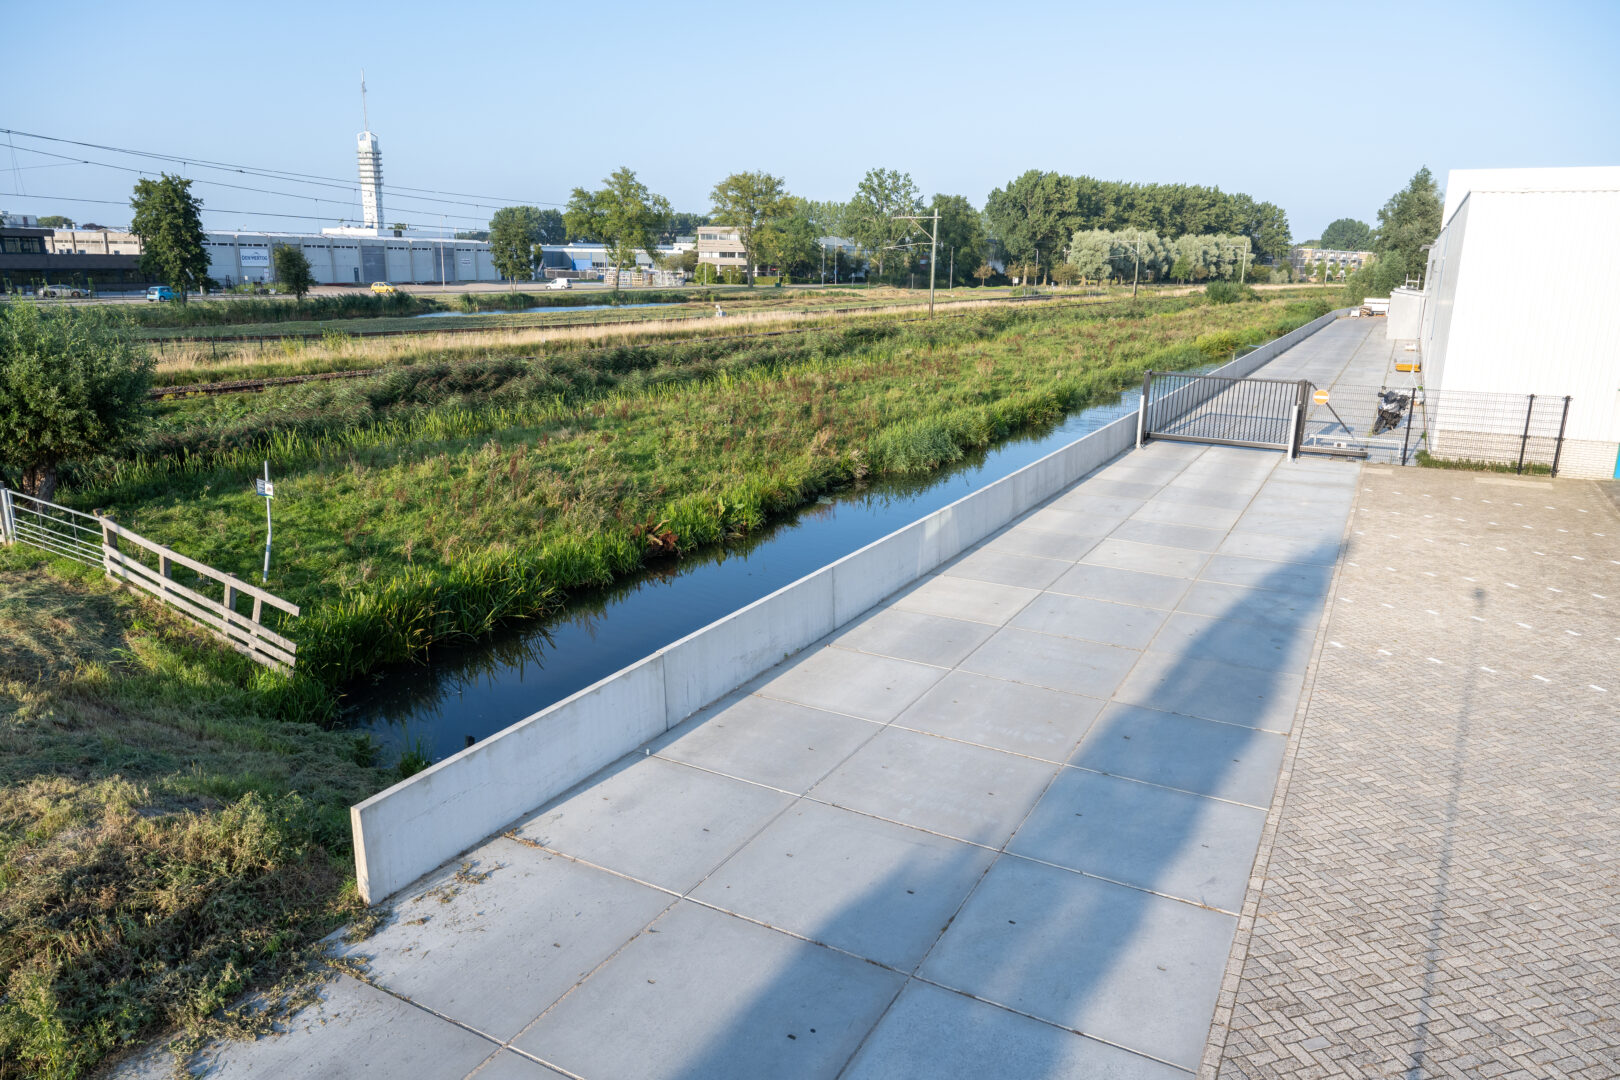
<point x="1558" y="450"/>
<point x="1147" y="392"/>
<point x="1406" y="429"/>
<point x="1529" y="410"/>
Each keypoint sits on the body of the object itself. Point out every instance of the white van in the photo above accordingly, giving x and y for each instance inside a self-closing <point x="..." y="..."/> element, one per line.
<point x="560" y="283"/>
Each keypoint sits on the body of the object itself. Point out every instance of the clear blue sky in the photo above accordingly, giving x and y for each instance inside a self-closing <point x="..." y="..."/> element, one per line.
<point x="1325" y="110"/>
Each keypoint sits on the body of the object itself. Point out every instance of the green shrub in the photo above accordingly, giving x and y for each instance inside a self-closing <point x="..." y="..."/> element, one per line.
<point x="1228" y="292"/>
<point x="1219" y="344"/>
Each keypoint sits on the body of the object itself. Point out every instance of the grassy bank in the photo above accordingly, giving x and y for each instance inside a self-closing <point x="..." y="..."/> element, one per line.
<point x="166" y="840"/>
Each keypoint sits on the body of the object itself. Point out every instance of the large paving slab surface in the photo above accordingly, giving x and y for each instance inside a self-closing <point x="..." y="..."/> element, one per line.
<point x="1004" y="824"/>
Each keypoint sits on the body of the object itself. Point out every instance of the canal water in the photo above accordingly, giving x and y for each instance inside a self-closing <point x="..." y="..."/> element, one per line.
<point x="472" y="693"/>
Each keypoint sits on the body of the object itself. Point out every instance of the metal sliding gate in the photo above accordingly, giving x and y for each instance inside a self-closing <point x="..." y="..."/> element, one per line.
<point x="1267" y="414"/>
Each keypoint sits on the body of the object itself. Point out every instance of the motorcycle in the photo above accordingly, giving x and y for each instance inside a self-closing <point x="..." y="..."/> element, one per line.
<point x="1391" y="411"/>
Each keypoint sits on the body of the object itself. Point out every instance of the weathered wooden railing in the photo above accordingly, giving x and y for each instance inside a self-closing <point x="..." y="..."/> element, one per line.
<point x="133" y="559"/>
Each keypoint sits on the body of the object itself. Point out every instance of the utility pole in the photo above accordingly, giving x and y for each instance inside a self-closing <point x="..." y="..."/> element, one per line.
<point x="933" y="247"/>
<point x="953" y="270"/>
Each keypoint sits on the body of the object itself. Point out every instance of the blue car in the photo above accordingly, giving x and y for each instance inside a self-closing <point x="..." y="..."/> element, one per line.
<point x="160" y="293"/>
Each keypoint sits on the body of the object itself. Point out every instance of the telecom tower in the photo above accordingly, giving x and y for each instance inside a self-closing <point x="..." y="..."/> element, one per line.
<point x="371" y="175"/>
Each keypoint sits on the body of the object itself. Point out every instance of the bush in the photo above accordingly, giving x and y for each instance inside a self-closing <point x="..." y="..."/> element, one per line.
<point x="1218" y="345"/>
<point x="1228" y="292"/>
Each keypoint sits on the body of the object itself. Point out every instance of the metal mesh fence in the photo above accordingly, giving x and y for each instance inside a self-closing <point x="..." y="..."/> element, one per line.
<point x="1213" y="408"/>
<point x="1520" y="431"/>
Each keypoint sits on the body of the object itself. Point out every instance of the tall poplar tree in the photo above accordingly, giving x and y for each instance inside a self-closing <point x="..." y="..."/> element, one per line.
<point x="168" y="219"/>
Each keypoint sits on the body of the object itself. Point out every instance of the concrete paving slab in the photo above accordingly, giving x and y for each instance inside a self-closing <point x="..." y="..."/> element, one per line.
<point x="1138" y="490"/>
<point x="1176" y="512"/>
<point x="962" y="598"/>
<point x="660" y="822"/>
<point x="1194" y="538"/>
<point x="1309" y="525"/>
<point x="1072" y="522"/>
<point x="1212" y="690"/>
<point x="1082" y="501"/>
<point x="1187" y="846"/>
<point x="1057" y="663"/>
<point x="842" y="680"/>
<point x="1139" y="970"/>
<point x="858" y="883"/>
<point x="969" y="792"/>
<point x="1290" y="611"/>
<point x="1147" y="558"/>
<point x="777" y="743"/>
<point x="1122" y="586"/>
<point x="1125" y="625"/>
<point x="1015" y="717"/>
<point x="494" y="958"/>
<point x="933" y="1034"/>
<point x="1242" y="644"/>
<point x="1311" y="579"/>
<point x="914" y="635"/>
<point x="705" y="995"/>
<point x="1321" y="551"/>
<point x="355" y="1030"/>
<point x="1006" y="568"/>
<point x="1226" y="761"/>
<point x="507" y="1065"/>
<point x="1205" y="493"/>
<point x="1047" y="545"/>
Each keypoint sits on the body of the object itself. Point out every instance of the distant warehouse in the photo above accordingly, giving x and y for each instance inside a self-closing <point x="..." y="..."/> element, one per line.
<point x="235" y="258"/>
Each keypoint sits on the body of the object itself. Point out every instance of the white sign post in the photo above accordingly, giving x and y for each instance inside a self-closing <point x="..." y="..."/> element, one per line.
<point x="268" y="490"/>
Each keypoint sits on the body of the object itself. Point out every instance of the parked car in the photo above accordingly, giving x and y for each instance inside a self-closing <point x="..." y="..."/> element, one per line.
<point x="62" y="292"/>
<point x="160" y="294"/>
<point x="382" y="288"/>
<point x="560" y="283"/>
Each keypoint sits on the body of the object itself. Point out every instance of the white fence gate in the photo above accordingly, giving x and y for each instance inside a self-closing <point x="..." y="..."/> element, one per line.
<point x="131" y="558"/>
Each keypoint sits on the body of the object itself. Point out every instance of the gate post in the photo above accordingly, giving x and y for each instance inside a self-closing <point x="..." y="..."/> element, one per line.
<point x="8" y="525"/>
<point x="1141" y="412"/>
<point x="1529" y="411"/>
<point x="1558" y="451"/>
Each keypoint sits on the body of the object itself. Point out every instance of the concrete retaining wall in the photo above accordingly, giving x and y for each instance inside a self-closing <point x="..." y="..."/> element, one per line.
<point x="407" y="830"/>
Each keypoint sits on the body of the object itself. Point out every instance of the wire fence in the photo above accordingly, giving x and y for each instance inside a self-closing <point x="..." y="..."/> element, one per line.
<point x="1523" y="432"/>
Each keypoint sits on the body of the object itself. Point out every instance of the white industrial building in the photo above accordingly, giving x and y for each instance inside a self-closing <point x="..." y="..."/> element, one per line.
<point x="1511" y="306"/>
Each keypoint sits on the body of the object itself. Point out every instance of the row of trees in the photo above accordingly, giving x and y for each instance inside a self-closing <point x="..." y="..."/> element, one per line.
<point x="1126" y="255"/>
<point x="1036" y="215"/>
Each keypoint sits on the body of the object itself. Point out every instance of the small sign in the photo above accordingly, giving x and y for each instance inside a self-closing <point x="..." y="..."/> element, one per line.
<point x="1320" y="397"/>
<point x="265" y="488"/>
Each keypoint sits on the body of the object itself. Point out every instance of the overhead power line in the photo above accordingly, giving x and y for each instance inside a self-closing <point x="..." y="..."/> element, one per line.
<point x="482" y="201"/>
<point x="68" y="160"/>
<point x="206" y="210"/>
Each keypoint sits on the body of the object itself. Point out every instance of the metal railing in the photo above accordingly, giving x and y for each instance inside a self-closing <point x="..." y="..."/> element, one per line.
<point x="176" y="581"/>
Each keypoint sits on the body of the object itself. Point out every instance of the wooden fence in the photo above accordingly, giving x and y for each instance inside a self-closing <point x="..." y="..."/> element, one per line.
<point x="140" y="563"/>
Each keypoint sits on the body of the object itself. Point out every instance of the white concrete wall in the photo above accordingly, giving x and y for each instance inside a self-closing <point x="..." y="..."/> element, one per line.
<point x="1507" y="319"/>
<point x="407" y="830"/>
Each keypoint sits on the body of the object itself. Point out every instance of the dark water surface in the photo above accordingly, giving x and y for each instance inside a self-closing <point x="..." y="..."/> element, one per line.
<point x="481" y="689"/>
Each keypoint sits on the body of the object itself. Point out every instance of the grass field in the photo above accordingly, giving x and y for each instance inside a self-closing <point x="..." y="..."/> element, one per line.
<point x="172" y="825"/>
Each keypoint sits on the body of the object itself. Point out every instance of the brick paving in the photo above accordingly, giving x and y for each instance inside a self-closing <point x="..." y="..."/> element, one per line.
<point x="1442" y="894"/>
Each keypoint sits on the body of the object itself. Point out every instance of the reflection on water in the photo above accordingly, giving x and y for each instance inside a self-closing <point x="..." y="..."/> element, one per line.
<point x="530" y="310"/>
<point x="477" y="691"/>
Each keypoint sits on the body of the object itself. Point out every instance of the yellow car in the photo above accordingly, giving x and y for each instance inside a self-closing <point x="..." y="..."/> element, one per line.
<point x="382" y="288"/>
